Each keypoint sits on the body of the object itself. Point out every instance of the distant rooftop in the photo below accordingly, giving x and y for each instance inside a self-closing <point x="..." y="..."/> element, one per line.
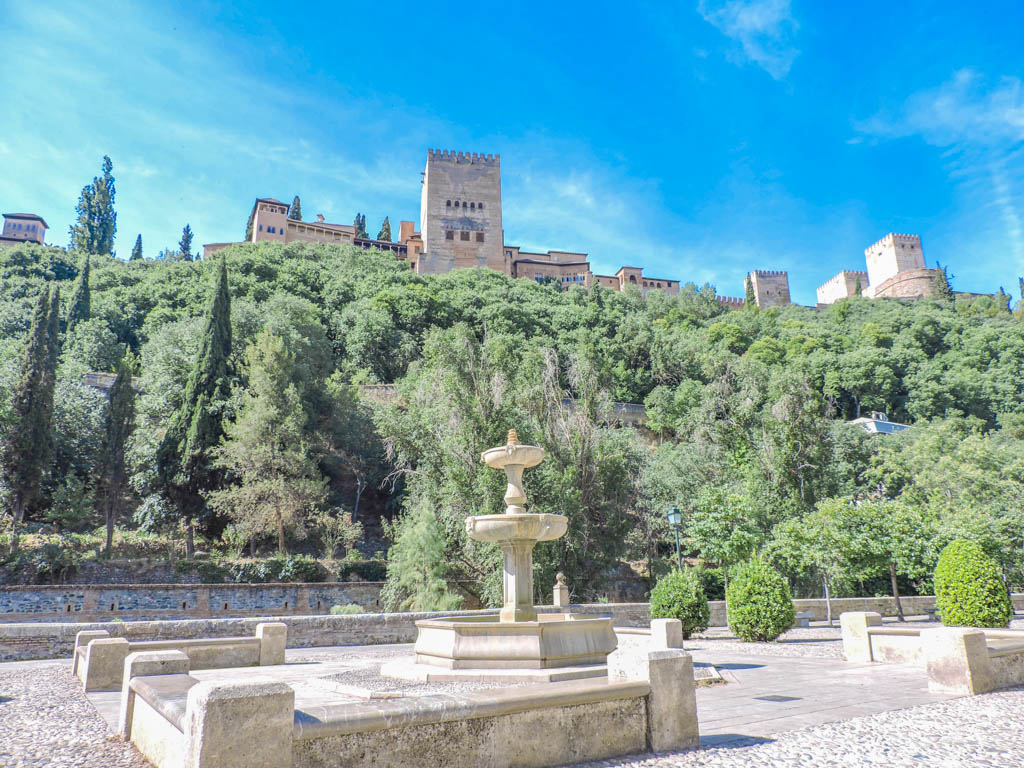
<point x="878" y="423"/>
<point x="29" y="216"/>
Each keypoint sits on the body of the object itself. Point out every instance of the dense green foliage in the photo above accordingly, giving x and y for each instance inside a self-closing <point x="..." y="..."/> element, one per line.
<point x="80" y="308"/>
<point x="968" y="589"/>
<point x="744" y="431"/>
<point x="385" y="230"/>
<point x="96" y="225"/>
<point x="680" y="595"/>
<point x="759" y="602"/>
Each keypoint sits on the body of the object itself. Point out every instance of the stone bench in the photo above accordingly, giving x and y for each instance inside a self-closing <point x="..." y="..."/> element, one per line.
<point x="98" y="658"/>
<point x="803" y="619"/>
<point x="962" y="660"/>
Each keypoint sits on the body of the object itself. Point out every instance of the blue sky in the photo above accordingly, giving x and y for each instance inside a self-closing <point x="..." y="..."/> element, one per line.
<point x="699" y="140"/>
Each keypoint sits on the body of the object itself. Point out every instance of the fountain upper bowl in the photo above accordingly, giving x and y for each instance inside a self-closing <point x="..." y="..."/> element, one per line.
<point x="525" y="455"/>
<point x="532" y="527"/>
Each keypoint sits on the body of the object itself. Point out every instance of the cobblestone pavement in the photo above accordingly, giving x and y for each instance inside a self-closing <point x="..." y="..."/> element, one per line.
<point x="975" y="731"/>
<point x="46" y="722"/>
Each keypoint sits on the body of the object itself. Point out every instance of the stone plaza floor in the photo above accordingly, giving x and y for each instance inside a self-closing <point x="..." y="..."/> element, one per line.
<point x="783" y="704"/>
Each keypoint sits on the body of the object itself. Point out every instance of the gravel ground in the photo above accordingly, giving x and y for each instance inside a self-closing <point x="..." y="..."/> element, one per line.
<point x="45" y="721"/>
<point x="975" y="731"/>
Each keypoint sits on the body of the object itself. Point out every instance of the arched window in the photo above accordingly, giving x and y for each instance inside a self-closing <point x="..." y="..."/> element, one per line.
<point x="449" y="203"/>
<point x="480" y="205"/>
<point x="463" y="203"/>
<point x="472" y="206"/>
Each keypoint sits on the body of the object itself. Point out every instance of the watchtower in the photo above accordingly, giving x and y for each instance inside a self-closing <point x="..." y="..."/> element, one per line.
<point x="892" y="255"/>
<point x="771" y="288"/>
<point x="460" y="212"/>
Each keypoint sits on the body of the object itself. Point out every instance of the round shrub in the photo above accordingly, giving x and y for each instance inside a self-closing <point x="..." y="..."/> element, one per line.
<point x="968" y="589"/>
<point x="680" y="595"/>
<point x="760" y="606"/>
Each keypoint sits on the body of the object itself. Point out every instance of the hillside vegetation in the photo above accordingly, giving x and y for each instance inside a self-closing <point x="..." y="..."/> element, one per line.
<point x="746" y="418"/>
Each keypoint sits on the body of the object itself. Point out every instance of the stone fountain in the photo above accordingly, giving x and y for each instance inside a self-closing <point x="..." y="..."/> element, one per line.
<point x="521" y="644"/>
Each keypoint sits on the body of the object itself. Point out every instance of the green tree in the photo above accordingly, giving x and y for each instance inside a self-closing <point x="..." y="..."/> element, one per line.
<point x="185" y="465"/>
<point x="266" y="451"/>
<point x="858" y="289"/>
<point x="295" y="212"/>
<point x="969" y="591"/>
<point x="418" y="568"/>
<point x="96" y="226"/>
<point x="750" y="298"/>
<point x="385" y="230"/>
<point x="27" y="451"/>
<point x="137" y="249"/>
<point x="80" y="308"/>
<point x="943" y="290"/>
<point x="185" y="244"/>
<point x="118" y="423"/>
<point x="360" y="226"/>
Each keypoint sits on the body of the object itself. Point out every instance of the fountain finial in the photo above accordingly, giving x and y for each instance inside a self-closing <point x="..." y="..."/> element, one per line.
<point x="513" y="437"/>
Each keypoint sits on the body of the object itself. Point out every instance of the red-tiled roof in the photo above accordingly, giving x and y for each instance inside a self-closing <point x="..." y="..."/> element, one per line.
<point x="31" y="216"/>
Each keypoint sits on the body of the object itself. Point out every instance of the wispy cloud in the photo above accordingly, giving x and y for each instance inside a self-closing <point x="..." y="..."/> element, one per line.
<point x="764" y="30"/>
<point x="979" y="126"/>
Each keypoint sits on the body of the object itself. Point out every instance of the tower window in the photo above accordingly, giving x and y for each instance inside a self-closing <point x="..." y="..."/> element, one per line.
<point x="449" y="235"/>
<point x="479" y="237"/>
<point x="463" y="235"/>
<point x="472" y="205"/>
<point x="449" y="203"/>
<point x="463" y="203"/>
<point x="480" y="206"/>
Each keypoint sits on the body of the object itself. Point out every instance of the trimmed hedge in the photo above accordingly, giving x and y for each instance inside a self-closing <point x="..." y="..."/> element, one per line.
<point x="968" y="589"/>
<point x="760" y="605"/>
<point x="680" y="595"/>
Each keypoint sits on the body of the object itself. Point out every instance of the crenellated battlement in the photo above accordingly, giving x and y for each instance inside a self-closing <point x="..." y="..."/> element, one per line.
<point x="731" y="302"/>
<point x="892" y="238"/>
<point x="840" y="278"/>
<point x="453" y="156"/>
<point x="770" y="273"/>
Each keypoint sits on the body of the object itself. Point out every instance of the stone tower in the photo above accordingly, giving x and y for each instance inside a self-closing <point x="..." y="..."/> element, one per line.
<point x="771" y="288"/>
<point x="460" y="212"/>
<point x="892" y="255"/>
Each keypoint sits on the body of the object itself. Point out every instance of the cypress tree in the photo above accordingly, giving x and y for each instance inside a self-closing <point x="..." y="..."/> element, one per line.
<point x="943" y="290"/>
<point x="117" y="426"/>
<point x="858" y="289"/>
<point x="385" y="230"/>
<point x="360" y="226"/>
<point x="184" y="460"/>
<point x="185" y="244"/>
<point x="81" y="301"/>
<point x="137" y="249"/>
<point x="295" y="212"/>
<point x="53" y="339"/>
<point x="750" y="298"/>
<point x="27" y="451"/>
<point x="96" y="226"/>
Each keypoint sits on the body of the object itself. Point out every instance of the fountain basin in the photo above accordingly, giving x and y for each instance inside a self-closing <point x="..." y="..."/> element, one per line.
<point x="527" y="526"/>
<point x="553" y="640"/>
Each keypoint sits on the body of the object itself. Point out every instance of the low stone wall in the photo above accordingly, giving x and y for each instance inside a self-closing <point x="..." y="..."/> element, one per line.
<point x="132" y="602"/>
<point x="55" y="640"/>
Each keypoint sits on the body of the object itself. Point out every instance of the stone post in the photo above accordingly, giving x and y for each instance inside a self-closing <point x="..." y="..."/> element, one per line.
<point x="672" y="702"/>
<point x="81" y="641"/>
<point x="957" y="660"/>
<point x="561" y="592"/>
<point x="104" y="664"/>
<point x="239" y="724"/>
<point x="518" y="580"/>
<point x="666" y="634"/>
<point x="856" y="640"/>
<point x="273" y="637"/>
<point x="141" y="664"/>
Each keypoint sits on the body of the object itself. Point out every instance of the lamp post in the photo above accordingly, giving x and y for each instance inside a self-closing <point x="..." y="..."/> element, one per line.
<point x="675" y="519"/>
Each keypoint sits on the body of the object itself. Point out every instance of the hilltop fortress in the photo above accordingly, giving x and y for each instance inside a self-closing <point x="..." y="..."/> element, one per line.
<point x="461" y="226"/>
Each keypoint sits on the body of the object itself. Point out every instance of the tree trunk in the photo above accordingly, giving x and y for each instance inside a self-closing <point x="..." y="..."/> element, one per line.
<point x="252" y="547"/>
<point x="896" y="591"/>
<point x="828" y="599"/>
<point x="281" y="547"/>
<point x="109" y="514"/>
<point x="359" y="492"/>
<point x="190" y="541"/>
<point x="18" y="508"/>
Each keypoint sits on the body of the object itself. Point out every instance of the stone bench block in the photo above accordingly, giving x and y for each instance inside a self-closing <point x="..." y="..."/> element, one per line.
<point x="104" y="664"/>
<point x="666" y="633"/>
<point x="81" y="641"/>
<point x="672" y="702"/>
<point x="856" y="639"/>
<point x="957" y="660"/>
<point x="273" y="637"/>
<point x="142" y="665"/>
<point x="242" y="724"/>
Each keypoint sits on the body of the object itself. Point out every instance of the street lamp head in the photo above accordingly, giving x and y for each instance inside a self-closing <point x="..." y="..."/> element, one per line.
<point x="675" y="517"/>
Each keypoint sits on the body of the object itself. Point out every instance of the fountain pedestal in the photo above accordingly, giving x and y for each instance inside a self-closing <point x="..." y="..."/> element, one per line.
<point x="521" y="644"/>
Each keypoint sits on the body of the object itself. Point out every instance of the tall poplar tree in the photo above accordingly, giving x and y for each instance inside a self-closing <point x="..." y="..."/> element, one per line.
<point x="118" y="423"/>
<point x="266" y="449"/>
<point x="185" y="244"/>
<point x="96" y="226"/>
<point x="385" y="230"/>
<point x="137" y="249"/>
<point x="26" y="454"/>
<point x="360" y="226"/>
<point x="81" y="301"/>
<point x="185" y="468"/>
<point x="295" y="212"/>
<point x="750" y="298"/>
